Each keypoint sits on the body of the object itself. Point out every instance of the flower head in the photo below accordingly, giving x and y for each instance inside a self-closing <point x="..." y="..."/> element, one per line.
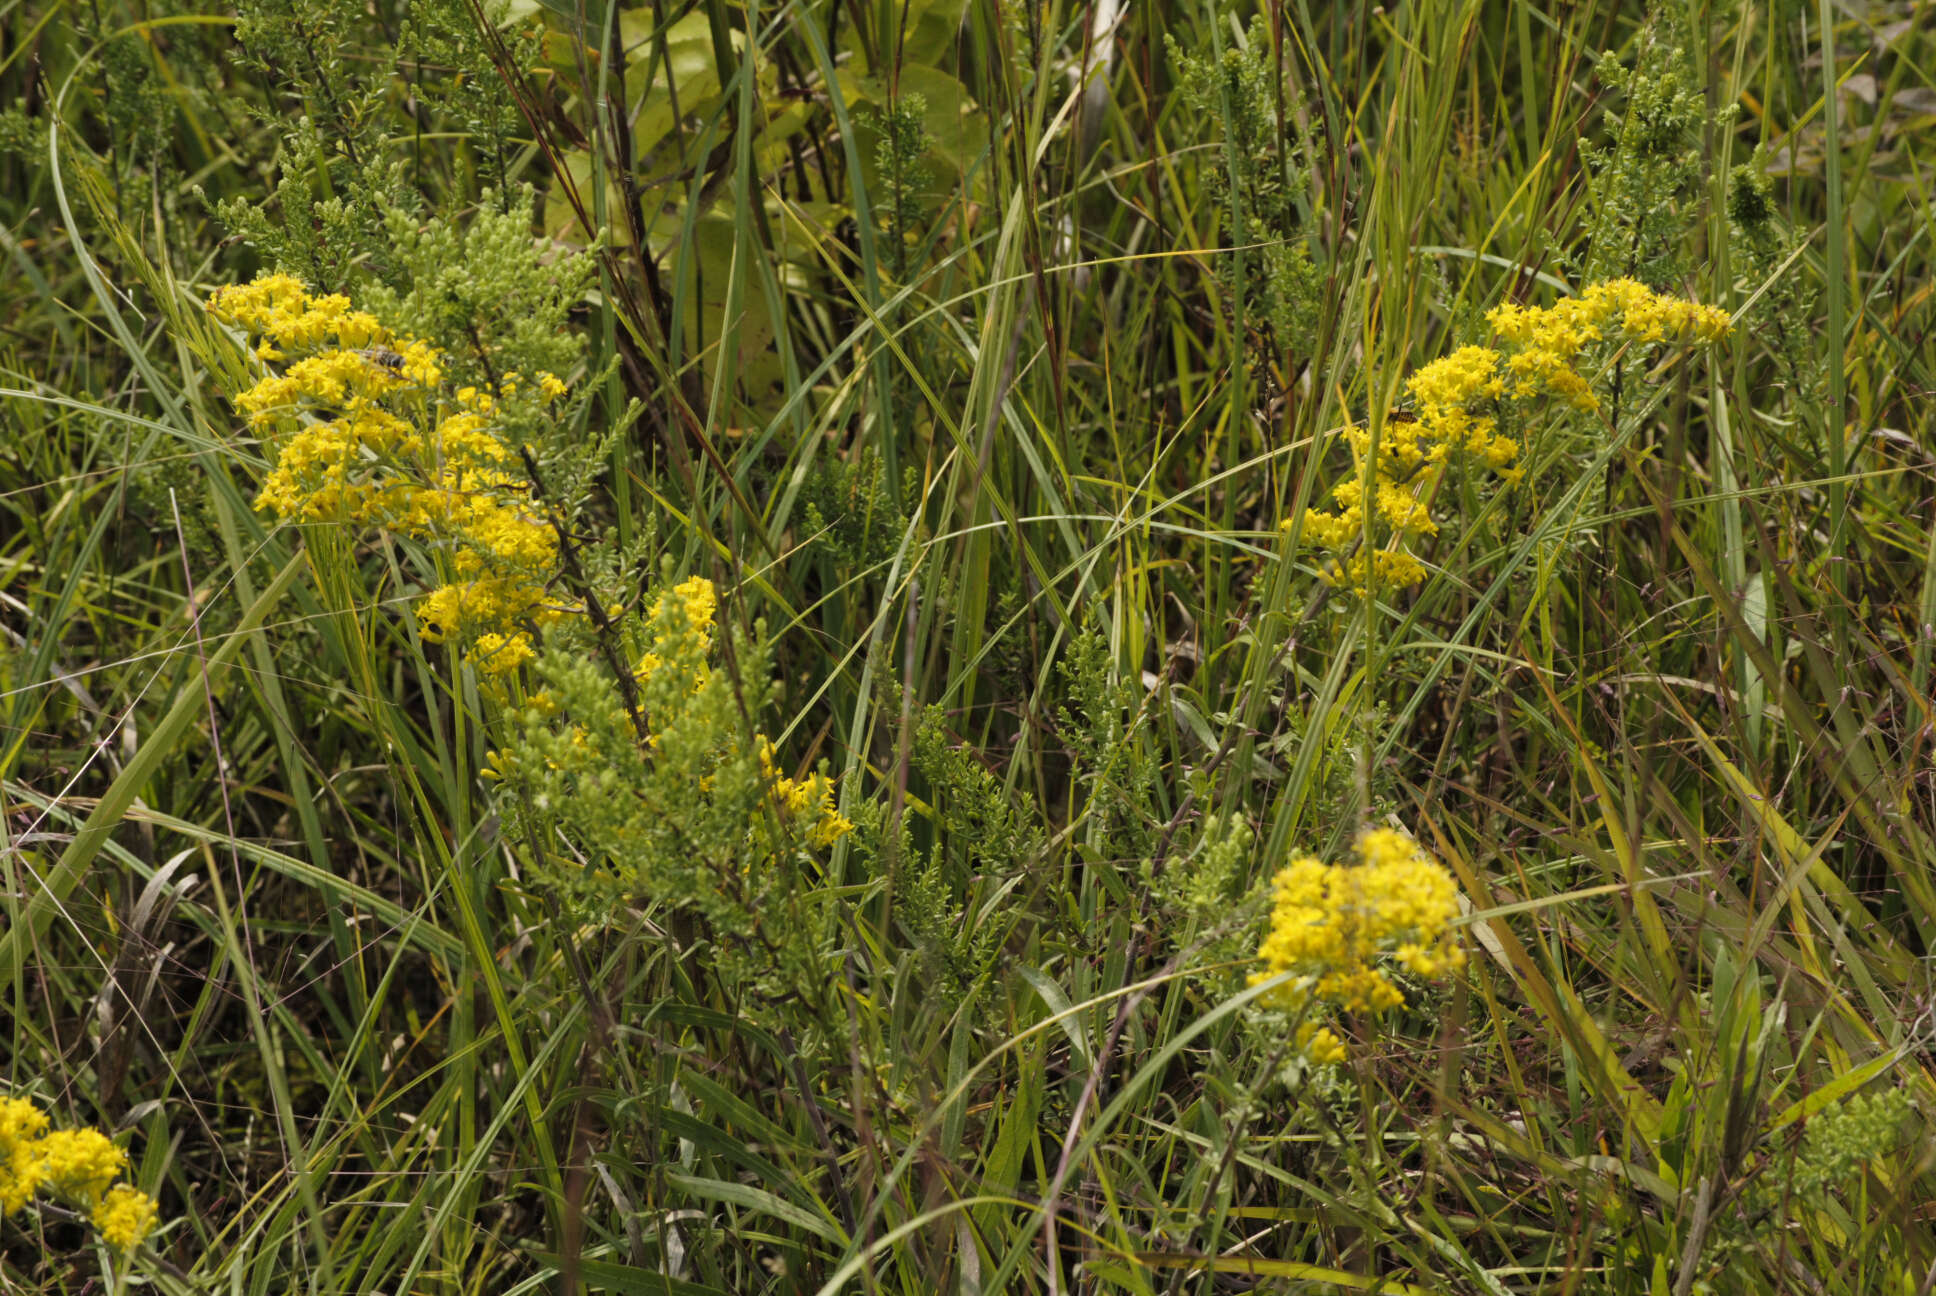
<point x="80" y="1163"/>
<point x="125" y="1216"/>
<point x="682" y="632"/>
<point x="1461" y="399"/>
<point x="21" y="1125"/>
<point x="373" y="439"/>
<point x="1333" y="926"/>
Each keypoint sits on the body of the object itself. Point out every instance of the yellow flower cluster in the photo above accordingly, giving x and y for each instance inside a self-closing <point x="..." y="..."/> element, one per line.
<point x="78" y="1165"/>
<point x="278" y="312"/>
<point x="808" y="801"/>
<point x="682" y="638"/>
<point x="1331" y="925"/>
<point x="371" y="437"/>
<point x="1624" y="308"/>
<point x="683" y="631"/>
<point x="125" y="1216"/>
<point x="1459" y="400"/>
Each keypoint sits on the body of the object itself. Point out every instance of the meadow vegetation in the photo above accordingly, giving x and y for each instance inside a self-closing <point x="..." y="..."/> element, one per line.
<point x="707" y="647"/>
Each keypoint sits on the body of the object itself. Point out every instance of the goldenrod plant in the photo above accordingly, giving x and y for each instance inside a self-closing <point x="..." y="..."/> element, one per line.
<point x="75" y="1166"/>
<point x="368" y="434"/>
<point x="1477" y="406"/>
<point x="1260" y="178"/>
<point x="751" y="647"/>
<point x="1331" y="925"/>
<point x="660" y="784"/>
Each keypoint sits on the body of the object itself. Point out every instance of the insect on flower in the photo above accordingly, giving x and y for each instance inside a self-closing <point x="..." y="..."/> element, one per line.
<point x="383" y="356"/>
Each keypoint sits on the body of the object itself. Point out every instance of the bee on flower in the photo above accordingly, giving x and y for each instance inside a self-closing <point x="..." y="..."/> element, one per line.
<point x="1466" y="405"/>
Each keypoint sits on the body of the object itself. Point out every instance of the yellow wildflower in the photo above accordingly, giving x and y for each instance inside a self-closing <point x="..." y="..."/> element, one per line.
<point x="1460" y="399"/>
<point x="1330" y="927"/>
<point x="682" y="631"/>
<point x="125" y="1216"/>
<point x="373" y="441"/>
<point x="696" y="601"/>
<point x="79" y="1163"/>
<point x="808" y="801"/>
<point x="21" y="1125"/>
<point x="1402" y="508"/>
<point x="1320" y="1044"/>
<point x="1367" y="572"/>
<point x="500" y="654"/>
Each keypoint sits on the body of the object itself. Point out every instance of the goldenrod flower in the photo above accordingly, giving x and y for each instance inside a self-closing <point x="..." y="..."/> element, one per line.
<point x="21" y="1125"/>
<point x="374" y="440"/>
<point x="808" y="801"/>
<point x="682" y="631"/>
<point x="80" y="1165"/>
<point x="1367" y="572"/>
<point x="498" y="654"/>
<point x="1332" y="925"/>
<point x="1460" y="399"/>
<point x="279" y="310"/>
<point x="1320" y="1044"/>
<point x="125" y="1216"/>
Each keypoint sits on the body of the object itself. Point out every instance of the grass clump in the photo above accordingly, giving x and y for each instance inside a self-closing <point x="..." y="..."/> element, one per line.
<point x="766" y="649"/>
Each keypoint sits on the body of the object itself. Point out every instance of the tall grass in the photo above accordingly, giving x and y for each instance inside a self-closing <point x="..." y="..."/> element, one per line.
<point x="1665" y="712"/>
